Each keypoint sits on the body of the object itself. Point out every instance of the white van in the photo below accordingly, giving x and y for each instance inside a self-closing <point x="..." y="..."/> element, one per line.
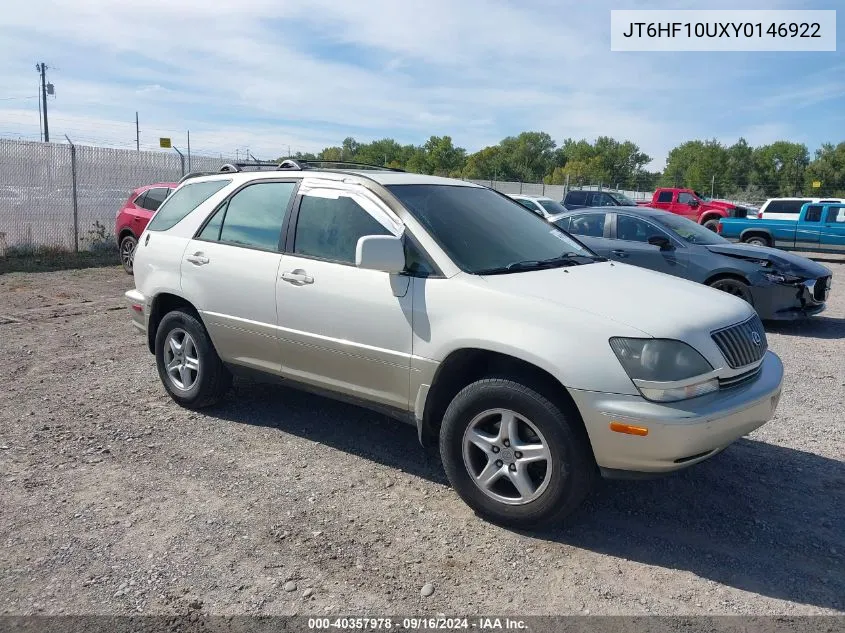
<point x="788" y="208"/>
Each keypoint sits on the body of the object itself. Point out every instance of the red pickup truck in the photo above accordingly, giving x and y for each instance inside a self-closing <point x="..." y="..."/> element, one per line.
<point x="693" y="205"/>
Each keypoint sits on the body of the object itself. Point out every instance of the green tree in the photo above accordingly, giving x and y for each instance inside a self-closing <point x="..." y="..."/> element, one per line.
<point x="699" y="165"/>
<point x="779" y="168"/>
<point x="527" y="157"/>
<point x="484" y="164"/>
<point x="828" y="168"/>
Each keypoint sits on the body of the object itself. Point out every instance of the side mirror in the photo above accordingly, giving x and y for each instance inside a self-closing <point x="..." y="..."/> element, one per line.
<point x="693" y="203"/>
<point x="662" y="242"/>
<point x="380" y="252"/>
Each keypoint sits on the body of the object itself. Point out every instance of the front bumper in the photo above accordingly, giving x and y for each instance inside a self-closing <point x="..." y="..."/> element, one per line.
<point x="680" y="434"/>
<point x="785" y="302"/>
<point x="138" y="310"/>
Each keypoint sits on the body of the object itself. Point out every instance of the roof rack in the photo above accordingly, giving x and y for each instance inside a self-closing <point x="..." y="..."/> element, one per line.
<point x="195" y="174"/>
<point x="289" y="164"/>
<point x="301" y="164"/>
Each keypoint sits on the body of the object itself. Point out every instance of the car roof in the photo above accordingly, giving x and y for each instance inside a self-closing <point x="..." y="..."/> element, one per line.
<point x="527" y="197"/>
<point x="385" y="177"/>
<point x="646" y="212"/>
<point x="168" y="185"/>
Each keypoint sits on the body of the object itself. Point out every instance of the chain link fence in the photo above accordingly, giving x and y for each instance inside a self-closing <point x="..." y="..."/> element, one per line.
<point x="555" y="192"/>
<point x="67" y="196"/>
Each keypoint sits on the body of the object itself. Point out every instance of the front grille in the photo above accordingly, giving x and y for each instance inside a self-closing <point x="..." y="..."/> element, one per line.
<point x="742" y="344"/>
<point x="740" y="379"/>
<point x="821" y="288"/>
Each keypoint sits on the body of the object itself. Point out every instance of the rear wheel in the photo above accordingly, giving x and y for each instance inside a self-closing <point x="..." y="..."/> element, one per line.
<point x="733" y="287"/>
<point x="757" y="240"/>
<point x="127" y="252"/>
<point x="188" y="364"/>
<point x="513" y="456"/>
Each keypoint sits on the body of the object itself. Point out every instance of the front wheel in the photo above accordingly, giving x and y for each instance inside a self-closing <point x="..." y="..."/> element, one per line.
<point x="513" y="456"/>
<point x="188" y="364"/>
<point x="733" y="287"/>
<point x="712" y="224"/>
<point x="127" y="252"/>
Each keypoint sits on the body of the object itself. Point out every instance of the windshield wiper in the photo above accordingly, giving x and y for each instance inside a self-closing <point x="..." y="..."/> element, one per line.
<point x="566" y="259"/>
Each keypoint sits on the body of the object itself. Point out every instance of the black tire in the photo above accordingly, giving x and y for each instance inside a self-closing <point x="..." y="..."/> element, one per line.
<point x="573" y="468"/>
<point x="712" y="224"/>
<point x="212" y="379"/>
<point x="733" y="287"/>
<point x="757" y="240"/>
<point x="127" y="252"/>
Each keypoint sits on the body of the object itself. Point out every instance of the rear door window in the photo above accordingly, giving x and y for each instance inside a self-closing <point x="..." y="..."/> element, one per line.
<point x="588" y="224"/>
<point x="576" y="197"/>
<point x="814" y="213"/>
<point x="786" y="206"/>
<point x="664" y="196"/>
<point x="154" y="198"/>
<point x="139" y="201"/>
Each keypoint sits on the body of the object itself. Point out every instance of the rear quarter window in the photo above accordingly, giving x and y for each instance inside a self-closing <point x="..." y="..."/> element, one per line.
<point x="786" y="206"/>
<point x="184" y="200"/>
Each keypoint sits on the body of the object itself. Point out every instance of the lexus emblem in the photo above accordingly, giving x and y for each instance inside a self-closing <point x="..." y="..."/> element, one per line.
<point x="756" y="338"/>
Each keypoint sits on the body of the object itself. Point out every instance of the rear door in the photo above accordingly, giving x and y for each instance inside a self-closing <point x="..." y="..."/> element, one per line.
<point x="629" y="244"/>
<point x="832" y="236"/>
<point x="229" y="272"/>
<point x="808" y="231"/>
<point x="663" y="200"/>
<point x="575" y="199"/>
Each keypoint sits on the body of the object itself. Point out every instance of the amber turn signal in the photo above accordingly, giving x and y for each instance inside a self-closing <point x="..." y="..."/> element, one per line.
<point x="630" y="429"/>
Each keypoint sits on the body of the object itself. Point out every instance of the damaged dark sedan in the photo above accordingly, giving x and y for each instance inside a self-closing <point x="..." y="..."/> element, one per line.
<point x="780" y="285"/>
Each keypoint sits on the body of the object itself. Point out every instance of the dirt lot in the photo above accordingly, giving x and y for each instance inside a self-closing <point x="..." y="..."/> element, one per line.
<point x="114" y="500"/>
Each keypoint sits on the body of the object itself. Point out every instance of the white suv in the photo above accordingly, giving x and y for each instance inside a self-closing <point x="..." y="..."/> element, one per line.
<point x="533" y="362"/>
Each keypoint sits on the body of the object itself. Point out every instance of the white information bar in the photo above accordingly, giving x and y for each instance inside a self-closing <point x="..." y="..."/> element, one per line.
<point x="722" y="30"/>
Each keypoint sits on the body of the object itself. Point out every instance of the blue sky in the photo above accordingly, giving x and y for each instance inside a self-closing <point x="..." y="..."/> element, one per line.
<point x="266" y="75"/>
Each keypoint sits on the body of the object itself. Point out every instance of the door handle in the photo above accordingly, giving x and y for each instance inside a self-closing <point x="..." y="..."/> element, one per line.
<point x="620" y="253"/>
<point x="198" y="258"/>
<point x="297" y="277"/>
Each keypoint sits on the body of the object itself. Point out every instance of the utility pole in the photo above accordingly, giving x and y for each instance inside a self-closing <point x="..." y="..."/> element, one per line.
<point x="137" y="134"/>
<point x="189" y="150"/>
<point x="712" y="185"/>
<point x="42" y="68"/>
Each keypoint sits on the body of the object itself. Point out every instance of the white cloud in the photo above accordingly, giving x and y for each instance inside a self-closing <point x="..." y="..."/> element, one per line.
<point x="256" y="73"/>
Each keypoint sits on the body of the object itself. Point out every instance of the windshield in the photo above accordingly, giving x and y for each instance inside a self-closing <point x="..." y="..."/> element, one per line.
<point x="553" y="206"/>
<point x="485" y="232"/>
<point x="705" y="198"/>
<point x="623" y="200"/>
<point x="689" y="230"/>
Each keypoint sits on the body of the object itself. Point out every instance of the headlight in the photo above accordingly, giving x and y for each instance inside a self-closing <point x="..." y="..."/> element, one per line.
<point x="782" y="278"/>
<point x="665" y="370"/>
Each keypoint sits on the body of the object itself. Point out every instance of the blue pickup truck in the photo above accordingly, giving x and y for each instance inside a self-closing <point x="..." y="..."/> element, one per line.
<point x="820" y="228"/>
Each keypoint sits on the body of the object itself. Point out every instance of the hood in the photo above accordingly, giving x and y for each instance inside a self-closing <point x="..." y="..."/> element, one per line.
<point x="722" y="204"/>
<point x="782" y="261"/>
<point x="657" y="304"/>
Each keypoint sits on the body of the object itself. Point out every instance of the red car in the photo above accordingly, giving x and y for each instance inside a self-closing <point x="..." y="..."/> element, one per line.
<point x="134" y="215"/>
<point x="694" y="206"/>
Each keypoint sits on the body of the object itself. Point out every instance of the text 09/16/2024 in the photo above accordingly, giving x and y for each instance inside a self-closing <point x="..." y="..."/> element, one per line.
<point x="712" y="30"/>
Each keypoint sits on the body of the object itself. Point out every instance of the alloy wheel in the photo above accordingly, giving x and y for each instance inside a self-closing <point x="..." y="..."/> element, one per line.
<point x="181" y="359"/>
<point x="507" y="456"/>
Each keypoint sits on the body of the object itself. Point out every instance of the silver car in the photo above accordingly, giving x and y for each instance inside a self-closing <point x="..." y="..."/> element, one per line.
<point x="536" y="364"/>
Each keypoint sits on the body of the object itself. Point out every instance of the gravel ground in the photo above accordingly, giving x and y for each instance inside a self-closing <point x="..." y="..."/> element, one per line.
<point x="114" y="500"/>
